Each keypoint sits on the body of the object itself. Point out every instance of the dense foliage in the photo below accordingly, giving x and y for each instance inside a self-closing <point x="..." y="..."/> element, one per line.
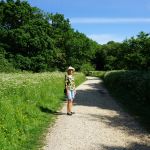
<point x="132" y="90"/>
<point x="38" y="41"/>
<point x="131" y="54"/>
<point x="28" y="103"/>
<point x="99" y="74"/>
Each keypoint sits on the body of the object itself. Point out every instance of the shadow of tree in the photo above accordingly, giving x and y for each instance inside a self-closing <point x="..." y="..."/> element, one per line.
<point x="97" y="96"/>
<point x="133" y="146"/>
<point x="50" y="111"/>
<point x="121" y="122"/>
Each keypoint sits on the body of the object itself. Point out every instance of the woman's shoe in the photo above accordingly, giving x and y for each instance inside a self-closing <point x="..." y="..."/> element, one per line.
<point x="73" y="112"/>
<point x="69" y="113"/>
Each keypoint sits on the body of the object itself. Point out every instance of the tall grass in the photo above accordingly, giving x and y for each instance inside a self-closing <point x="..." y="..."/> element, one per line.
<point x="27" y="103"/>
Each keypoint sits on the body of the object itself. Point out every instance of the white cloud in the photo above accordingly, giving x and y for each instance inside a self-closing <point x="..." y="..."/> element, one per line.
<point x="108" y="20"/>
<point x="104" y="38"/>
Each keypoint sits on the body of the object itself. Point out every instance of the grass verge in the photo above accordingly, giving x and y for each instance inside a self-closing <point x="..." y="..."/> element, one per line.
<point x="27" y="103"/>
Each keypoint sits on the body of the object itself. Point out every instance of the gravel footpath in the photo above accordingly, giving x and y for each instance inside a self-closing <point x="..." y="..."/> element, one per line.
<point x="99" y="123"/>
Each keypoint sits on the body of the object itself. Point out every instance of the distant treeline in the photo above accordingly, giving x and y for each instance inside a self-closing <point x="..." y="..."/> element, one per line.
<point x="131" y="54"/>
<point x="33" y="40"/>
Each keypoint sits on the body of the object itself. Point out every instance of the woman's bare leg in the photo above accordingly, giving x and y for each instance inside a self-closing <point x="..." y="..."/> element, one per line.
<point x="68" y="106"/>
<point x="71" y="105"/>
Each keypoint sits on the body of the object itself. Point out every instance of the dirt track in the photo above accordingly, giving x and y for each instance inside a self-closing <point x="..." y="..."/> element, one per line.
<point x="98" y="124"/>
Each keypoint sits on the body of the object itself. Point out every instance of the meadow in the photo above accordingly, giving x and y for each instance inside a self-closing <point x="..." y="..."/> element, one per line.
<point x="27" y="103"/>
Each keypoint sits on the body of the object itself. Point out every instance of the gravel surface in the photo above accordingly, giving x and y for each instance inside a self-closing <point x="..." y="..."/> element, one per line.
<point x="99" y="123"/>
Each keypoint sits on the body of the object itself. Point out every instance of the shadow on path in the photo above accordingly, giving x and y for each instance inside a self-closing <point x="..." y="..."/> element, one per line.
<point x="98" y="124"/>
<point x="96" y="95"/>
<point x="133" y="146"/>
<point x="50" y="111"/>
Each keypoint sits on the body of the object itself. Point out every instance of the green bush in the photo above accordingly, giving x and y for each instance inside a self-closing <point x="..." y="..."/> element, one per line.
<point x="85" y="68"/>
<point x="132" y="89"/>
<point x="99" y="74"/>
<point x="5" y="66"/>
<point x="27" y="105"/>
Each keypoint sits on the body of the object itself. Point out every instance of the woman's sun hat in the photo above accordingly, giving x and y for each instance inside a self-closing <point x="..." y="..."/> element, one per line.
<point x="70" y="68"/>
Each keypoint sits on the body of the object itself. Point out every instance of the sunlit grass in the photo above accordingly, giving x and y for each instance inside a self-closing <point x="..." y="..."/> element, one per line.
<point x="26" y="103"/>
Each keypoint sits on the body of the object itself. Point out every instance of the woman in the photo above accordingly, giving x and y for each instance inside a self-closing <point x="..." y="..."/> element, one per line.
<point x="70" y="89"/>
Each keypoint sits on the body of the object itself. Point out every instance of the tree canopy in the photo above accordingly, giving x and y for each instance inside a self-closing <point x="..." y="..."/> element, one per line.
<point x="131" y="54"/>
<point x="37" y="41"/>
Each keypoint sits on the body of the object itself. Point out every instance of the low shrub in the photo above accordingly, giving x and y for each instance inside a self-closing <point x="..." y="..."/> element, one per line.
<point x="85" y="68"/>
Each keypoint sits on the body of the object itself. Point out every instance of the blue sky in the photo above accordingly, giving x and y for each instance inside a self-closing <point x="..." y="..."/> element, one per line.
<point x="102" y="20"/>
